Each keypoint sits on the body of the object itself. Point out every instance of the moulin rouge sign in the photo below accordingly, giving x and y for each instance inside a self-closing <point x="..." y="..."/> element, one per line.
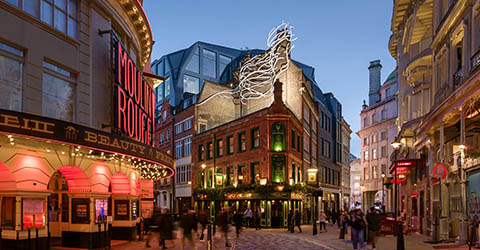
<point x="134" y="98"/>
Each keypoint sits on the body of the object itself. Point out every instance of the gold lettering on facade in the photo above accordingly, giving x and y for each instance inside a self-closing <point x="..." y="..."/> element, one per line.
<point x="124" y="145"/>
<point x="141" y="149"/>
<point x="43" y="127"/>
<point x="115" y="143"/>
<point x="10" y="121"/>
<point x="91" y="137"/>
<point x="105" y="140"/>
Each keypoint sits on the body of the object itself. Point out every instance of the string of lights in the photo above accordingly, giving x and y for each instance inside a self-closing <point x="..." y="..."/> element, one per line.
<point x="259" y="73"/>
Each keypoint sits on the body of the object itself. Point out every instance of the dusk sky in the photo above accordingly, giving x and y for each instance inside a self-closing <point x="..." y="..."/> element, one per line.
<point x="337" y="38"/>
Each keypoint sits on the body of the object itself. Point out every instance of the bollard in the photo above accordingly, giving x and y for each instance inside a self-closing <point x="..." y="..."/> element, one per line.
<point x="105" y="235"/>
<point x="314" y="227"/>
<point x="17" y="245"/>
<point x="209" y="237"/>
<point x="400" y="240"/>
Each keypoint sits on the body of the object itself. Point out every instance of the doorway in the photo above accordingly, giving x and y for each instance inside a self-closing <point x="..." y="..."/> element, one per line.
<point x="58" y="205"/>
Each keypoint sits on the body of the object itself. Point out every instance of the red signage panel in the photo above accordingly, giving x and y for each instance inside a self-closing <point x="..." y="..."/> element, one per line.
<point x="134" y="109"/>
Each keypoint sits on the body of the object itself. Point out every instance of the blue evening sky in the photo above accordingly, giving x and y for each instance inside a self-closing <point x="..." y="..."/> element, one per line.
<point x="338" y="38"/>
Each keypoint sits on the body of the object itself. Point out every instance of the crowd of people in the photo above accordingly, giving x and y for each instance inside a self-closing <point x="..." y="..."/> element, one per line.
<point x="167" y="225"/>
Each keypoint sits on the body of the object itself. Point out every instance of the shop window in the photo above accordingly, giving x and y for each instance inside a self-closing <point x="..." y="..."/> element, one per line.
<point x="230" y="176"/>
<point x="101" y="210"/>
<point x="187" y="125"/>
<point x="242" y="174"/>
<point x="178" y="149"/>
<point x="187" y="145"/>
<point x="201" y="152"/>
<point x="255" y="138"/>
<point x="11" y="77"/>
<point x="209" y="150"/>
<point x="58" y="92"/>
<point x="278" y="137"/>
<point x="168" y="82"/>
<point x="219" y="147"/>
<point x="230" y="145"/>
<point x="33" y="213"/>
<point x="293" y="139"/>
<point x="8" y="212"/>
<point x="61" y="14"/>
<point x="242" y="142"/>
<point x="209" y="63"/>
<point x="194" y="63"/>
<point x="191" y="84"/>
<point x="255" y="173"/>
<point x="178" y="129"/>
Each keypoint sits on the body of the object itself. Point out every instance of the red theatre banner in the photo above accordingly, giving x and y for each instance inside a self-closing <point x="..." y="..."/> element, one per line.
<point x="134" y="109"/>
<point x="404" y="165"/>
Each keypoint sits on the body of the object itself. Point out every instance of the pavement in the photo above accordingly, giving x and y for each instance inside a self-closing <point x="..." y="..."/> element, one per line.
<point x="281" y="239"/>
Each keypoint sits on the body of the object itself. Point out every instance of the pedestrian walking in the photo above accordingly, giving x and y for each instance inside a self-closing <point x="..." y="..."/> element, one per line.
<point x="238" y="220"/>
<point x="223" y="220"/>
<point x="256" y="218"/>
<point x="357" y="224"/>
<point x="202" y="219"/>
<point x="166" y="228"/>
<point x="154" y="225"/>
<point x="290" y="219"/>
<point x="187" y="220"/>
<point x="248" y="217"/>
<point x="298" y="220"/>
<point x="373" y="225"/>
<point x="323" y="222"/>
<point x="346" y="218"/>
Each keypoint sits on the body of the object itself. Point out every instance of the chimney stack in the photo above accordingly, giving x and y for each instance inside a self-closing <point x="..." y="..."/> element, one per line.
<point x="375" y="69"/>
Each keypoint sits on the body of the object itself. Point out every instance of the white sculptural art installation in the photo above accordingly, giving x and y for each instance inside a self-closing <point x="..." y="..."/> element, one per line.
<point x="259" y="73"/>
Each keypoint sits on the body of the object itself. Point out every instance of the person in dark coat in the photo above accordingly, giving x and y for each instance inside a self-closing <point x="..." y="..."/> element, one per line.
<point x="290" y="219"/>
<point x="187" y="220"/>
<point x="223" y="221"/>
<point x="256" y="218"/>
<point x="373" y="225"/>
<point x="238" y="220"/>
<point x="154" y="225"/>
<point x="202" y="219"/>
<point x="357" y="224"/>
<point x="298" y="219"/>
<point x="165" y="228"/>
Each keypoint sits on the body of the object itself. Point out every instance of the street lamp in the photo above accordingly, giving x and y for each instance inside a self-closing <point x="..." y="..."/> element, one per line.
<point x="400" y="243"/>
<point x="204" y="176"/>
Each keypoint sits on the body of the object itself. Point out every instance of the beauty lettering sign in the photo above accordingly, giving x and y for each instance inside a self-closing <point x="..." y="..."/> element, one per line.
<point x="133" y="97"/>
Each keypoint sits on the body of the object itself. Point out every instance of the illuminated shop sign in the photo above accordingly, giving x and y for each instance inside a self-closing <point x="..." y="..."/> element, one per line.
<point x="12" y="122"/>
<point x="134" y="98"/>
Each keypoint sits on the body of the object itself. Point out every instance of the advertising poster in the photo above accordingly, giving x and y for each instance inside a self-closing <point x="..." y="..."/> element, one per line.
<point x="80" y="210"/>
<point x="122" y="210"/>
<point x="101" y="211"/>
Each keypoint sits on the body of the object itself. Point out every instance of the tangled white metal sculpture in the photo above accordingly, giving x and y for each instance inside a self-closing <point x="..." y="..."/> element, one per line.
<point x="258" y="74"/>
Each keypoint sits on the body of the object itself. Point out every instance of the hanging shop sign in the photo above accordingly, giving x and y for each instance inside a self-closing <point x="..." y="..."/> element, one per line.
<point x="134" y="98"/>
<point x="404" y="165"/>
<point x="440" y="171"/>
<point x="34" y="126"/>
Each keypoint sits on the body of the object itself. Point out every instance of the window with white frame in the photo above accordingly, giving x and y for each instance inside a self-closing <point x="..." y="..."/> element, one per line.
<point x="61" y="14"/>
<point x="187" y="125"/>
<point x="178" y="129"/>
<point x="178" y="149"/>
<point x="58" y="92"/>
<point x="183" y="174"/>
<point x="11" y="77"/>
<point x="167" y="136"/>
<point x="187" y="145"/>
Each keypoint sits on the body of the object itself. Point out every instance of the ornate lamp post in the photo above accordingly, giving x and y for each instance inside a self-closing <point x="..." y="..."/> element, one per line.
<point x="400" y="243"/>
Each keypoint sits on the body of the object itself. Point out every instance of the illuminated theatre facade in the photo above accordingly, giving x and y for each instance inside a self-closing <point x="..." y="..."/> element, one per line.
<point x="77" y="158"/>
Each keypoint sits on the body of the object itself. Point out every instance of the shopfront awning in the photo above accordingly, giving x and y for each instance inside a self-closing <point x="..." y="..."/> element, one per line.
<point x="330" y="190"/>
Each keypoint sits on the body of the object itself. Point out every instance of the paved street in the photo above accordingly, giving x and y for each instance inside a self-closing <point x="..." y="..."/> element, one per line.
<point x="283" y="240"/>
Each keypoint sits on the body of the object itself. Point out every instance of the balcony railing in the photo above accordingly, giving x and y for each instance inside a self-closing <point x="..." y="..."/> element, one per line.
<point x="475" y="60"/>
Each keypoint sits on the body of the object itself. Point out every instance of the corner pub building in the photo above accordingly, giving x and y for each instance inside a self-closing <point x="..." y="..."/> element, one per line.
<point x="76" y="120"/>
